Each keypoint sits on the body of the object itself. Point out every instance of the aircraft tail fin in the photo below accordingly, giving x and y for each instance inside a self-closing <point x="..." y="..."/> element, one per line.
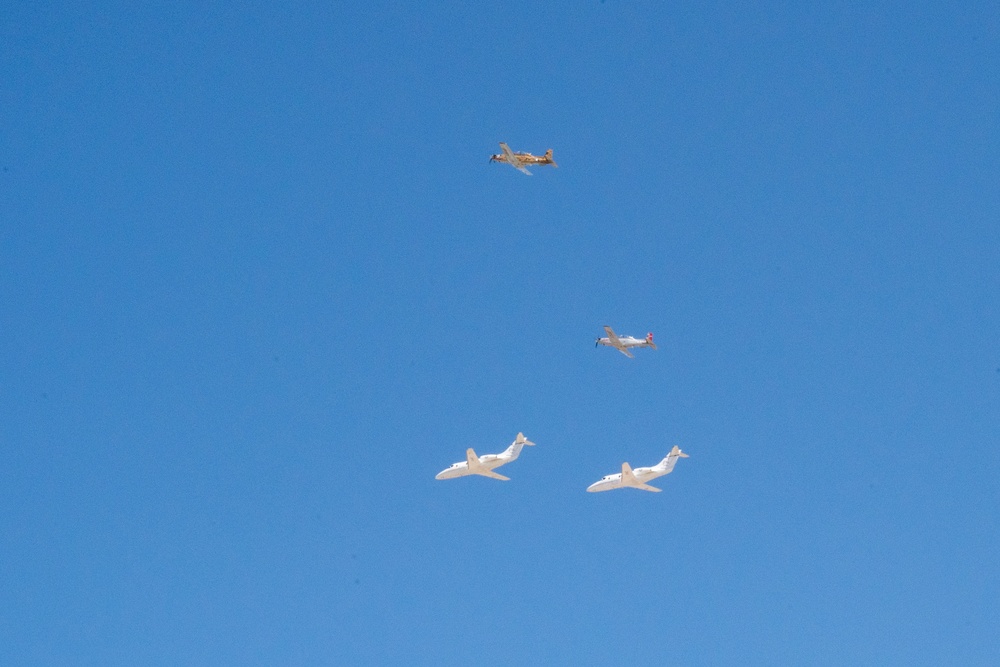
<point x="514" y="450"/>
<point x="649" y="340"/>
<point x="670" y="460"/>
<point x="548" y="156"/>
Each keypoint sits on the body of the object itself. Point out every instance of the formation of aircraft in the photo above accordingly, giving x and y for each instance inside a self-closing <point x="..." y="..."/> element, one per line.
<point x="484" y="465"/>
<point x="520" y="161"/>
<point x="623" y="343"/>
<point x="636" y="479"/>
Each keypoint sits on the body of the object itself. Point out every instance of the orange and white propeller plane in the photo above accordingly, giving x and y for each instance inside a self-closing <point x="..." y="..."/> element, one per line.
<point x="623" y="343"/>
<point x="520" y="160"/>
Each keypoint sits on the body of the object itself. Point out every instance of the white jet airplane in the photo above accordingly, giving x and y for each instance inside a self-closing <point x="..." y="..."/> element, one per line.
<point x="623" y="343"/>
<point x="484" y="465"/>
<point x="637" y="478"/>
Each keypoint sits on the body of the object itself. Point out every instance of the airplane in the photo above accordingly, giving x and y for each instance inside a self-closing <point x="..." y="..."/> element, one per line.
<point x="519" y="160"/>
<point x="622" y="343"/>
<point x="484" y="465"/>
<point x="637" y="478"/>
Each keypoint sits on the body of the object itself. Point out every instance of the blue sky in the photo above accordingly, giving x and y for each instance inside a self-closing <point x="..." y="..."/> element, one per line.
<point x="260" y="284"/>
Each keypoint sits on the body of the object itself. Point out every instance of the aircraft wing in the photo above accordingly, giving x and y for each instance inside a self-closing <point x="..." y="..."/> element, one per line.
<point x="512" y="159"/>
<point x="646" y="487"/>
<point x="629" y="479"/>
<point x="509" y="154"/>
<point x="617" y="343"/>
<point x="477" y="468"/>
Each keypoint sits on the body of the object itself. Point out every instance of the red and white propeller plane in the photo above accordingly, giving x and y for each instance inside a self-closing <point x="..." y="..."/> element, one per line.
<point x="623" y="343"/>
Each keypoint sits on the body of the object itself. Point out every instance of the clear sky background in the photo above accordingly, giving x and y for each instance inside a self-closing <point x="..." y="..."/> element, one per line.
<point x="260" y="284"/>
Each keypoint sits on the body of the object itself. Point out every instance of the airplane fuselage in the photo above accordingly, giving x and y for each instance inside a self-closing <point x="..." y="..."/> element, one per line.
<point x="626" y="341"/>
<point x="461" y="469"/>
<point x="610" y="482"/>
<point x="524" y="158"/>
